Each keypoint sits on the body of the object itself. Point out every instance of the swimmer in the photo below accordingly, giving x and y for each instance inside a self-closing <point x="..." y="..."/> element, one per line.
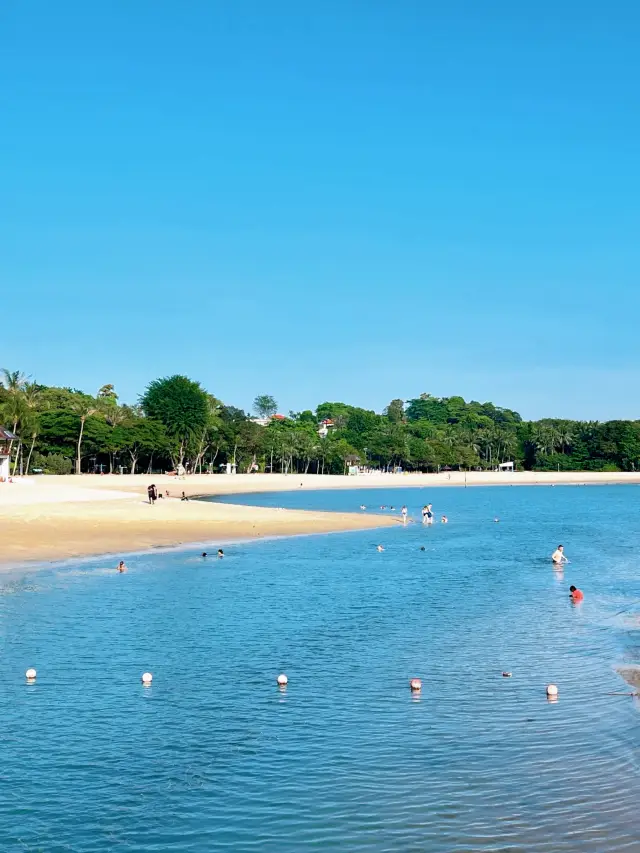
<point x="392" y="508"/>
<point x="204" y="554"/>
<point x="380" y="548"/>
<point x="383" y="507"/>
<point x="496" y="521"/>
<point x="362" y="506"/>
<point x="558" y="556"/>
<point x="121" y="567"/>
<point x="220" y="553"/>
<point x="422" y="548"/>
<point x="444" y="520"/>
<point x="576" y="594"/>
<point x="404" y="514"/>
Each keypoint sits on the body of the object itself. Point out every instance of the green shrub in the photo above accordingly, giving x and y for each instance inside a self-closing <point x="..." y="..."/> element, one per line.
<point x="53" y="463"/>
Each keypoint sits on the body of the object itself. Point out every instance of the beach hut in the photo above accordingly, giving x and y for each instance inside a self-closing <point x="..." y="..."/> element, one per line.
<point x="6" y="439"/>
<point x="505" y="466"/>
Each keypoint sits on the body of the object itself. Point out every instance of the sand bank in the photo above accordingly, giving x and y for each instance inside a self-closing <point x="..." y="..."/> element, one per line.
<point x="60" y="518"/>
<point x="48" y="518"/>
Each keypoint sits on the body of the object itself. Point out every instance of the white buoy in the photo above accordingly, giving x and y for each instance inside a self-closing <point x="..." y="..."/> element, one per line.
<point x="415" y="684"/>
<point x="282" y="680"/>
<point x="147" y="678"/>
<point x="552" y="690"/>
<point x="31" y="674"/>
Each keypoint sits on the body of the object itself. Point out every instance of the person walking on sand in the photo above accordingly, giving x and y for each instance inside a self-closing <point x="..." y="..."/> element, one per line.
<point x="152" y="492"/>
<point x="558" y="556"/>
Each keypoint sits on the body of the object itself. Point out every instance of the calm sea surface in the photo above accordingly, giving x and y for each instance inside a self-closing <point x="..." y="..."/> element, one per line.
<point x="215" y="757"/>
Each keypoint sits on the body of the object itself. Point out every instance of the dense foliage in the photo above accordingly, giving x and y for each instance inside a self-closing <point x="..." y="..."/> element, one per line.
<point x="176" y="423"/>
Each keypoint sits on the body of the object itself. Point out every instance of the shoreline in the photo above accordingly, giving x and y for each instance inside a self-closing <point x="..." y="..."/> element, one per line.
<point x="49" y="518"/>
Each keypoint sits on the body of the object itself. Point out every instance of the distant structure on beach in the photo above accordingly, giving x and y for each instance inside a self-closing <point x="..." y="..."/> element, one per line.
<point x="6" y="440"/>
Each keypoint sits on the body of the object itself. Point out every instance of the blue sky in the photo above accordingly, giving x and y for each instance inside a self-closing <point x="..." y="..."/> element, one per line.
<point x="349" y="200"/>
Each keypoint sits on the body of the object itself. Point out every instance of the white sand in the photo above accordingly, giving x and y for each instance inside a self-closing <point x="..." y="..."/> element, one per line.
<point x="50" y="517"/>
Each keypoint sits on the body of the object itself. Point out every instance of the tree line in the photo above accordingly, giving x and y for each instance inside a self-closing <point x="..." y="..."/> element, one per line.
<point x="177" y="424"/>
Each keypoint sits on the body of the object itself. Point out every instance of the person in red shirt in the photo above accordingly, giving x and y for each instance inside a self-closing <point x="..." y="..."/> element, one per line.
<point x="576" y="594"/>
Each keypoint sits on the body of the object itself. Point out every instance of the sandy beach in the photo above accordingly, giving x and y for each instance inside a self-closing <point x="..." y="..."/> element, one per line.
<point x="50" y="518"/>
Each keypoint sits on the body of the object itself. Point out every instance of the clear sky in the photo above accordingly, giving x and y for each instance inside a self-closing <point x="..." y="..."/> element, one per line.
<point x="341" y="200"/>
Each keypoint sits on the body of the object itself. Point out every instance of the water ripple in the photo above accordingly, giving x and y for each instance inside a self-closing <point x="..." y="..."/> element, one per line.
<point x="215" y="757"/>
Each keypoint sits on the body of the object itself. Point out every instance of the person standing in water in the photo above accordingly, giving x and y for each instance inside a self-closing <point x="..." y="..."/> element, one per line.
<point x="404" y="514"/>
<point x="576" y="594"/>
<point x="121" y="567"/>
<point x="429" y="513"/>
<point x="425" y="510"/>
<point x="558" y="556"/>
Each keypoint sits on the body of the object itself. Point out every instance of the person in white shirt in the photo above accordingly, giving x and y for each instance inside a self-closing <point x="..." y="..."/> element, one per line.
<point x="558" y="556"/>
<point x="404" y="514"/>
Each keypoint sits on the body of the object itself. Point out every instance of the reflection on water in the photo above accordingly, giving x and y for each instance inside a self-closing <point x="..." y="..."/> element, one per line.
<point x="215" y="756"/>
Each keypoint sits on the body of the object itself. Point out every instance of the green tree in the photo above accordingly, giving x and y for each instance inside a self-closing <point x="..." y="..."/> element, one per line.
<point x="83" y="406"/>
<point x="211" y="433"/>
<point x="107" y="392"/>
<point x="31" y="423"/>
<point x="14" y="383"/>
<point x="395" y="411"/>
<point x="182" y="406"/>
<point x="265" y="405"/>
<point x="138" y="435"/>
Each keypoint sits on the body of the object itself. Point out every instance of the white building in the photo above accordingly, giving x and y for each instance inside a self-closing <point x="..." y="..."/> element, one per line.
<point x="325" y="426"/>
<point x="267" y="421"/>
<point x="6" y="438"/>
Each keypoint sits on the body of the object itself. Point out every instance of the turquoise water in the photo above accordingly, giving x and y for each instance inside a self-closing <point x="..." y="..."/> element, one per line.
<point x="215" y="757"/>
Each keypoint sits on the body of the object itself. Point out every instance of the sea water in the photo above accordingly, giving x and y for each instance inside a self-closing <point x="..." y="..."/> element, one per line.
<point x="214" y="756"/>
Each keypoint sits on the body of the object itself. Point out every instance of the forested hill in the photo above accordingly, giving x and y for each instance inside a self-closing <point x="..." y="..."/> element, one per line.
<point x="178" y="422"/>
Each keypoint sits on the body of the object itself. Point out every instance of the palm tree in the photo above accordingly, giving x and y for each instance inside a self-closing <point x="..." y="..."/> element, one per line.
<point x="84" y="406"/>
<point x="29" y="421"/>
<point x="14" y="383"/>
<point x="565" y="436"/>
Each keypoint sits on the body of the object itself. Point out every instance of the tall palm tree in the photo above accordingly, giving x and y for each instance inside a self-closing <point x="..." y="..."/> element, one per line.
<point x="84" y="407"/>
<point x="14" y="383"/>
<point x="565" y="436"/>
<point x="29" y="421"/>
